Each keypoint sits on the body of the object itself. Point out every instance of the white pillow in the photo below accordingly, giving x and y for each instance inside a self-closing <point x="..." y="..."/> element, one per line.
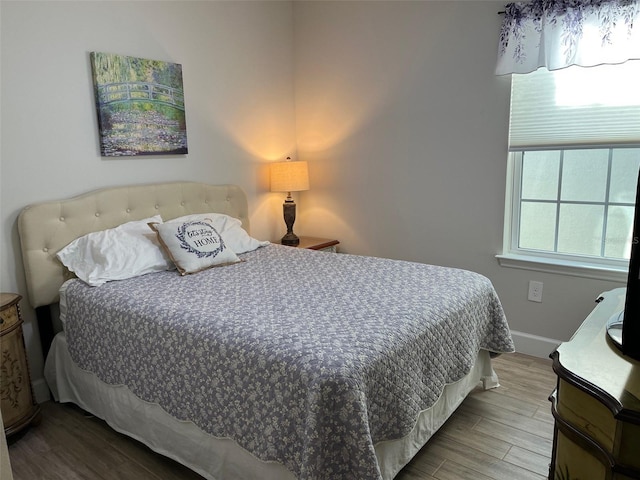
<point x="234" y="236"/>
<point x="194" y="245"/>
<point x="118" y="253"/>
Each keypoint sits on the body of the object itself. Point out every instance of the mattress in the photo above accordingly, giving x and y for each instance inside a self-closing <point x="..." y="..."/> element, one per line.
<point x="301" y="359"/>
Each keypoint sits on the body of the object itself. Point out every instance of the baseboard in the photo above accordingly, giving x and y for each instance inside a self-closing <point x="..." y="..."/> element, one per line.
<point x="40" y="390"/>
<point x="534" y="345"/>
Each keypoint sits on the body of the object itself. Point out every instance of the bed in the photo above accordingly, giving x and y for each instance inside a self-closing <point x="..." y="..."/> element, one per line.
<point x="288" y="363"/>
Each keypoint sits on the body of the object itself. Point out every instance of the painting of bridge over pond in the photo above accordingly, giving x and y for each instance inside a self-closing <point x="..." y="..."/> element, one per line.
<point x="140" y="106"/>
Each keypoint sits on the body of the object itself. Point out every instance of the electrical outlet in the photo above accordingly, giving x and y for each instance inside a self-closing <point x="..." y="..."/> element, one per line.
<point x="535" y="291"/>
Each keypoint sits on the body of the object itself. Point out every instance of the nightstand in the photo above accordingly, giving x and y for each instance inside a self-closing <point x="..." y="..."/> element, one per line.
<point x="315" y="243"/>
<point x="19" y="408"/>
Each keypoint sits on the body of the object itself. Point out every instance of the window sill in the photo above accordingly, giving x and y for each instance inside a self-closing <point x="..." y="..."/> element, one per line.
<point x="563" y="267"/>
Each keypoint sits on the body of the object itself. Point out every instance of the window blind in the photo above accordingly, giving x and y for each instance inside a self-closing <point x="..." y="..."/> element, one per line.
<point x="576" y="107"/>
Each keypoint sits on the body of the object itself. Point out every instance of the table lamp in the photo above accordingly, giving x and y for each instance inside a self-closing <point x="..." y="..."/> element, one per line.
<point x="289" y="177"/>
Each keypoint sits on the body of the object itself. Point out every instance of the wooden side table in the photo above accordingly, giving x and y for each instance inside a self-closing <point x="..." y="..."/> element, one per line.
<point x="19" y="408"/>
<point x="316" y="243"/>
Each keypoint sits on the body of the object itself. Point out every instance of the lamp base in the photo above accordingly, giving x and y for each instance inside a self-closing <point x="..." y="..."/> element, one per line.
<point x="289" y="209"/>
<point x="290" y="239"/>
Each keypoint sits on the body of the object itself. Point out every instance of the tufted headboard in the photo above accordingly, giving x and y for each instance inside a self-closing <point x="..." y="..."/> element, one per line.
<point x="46" y="227"/>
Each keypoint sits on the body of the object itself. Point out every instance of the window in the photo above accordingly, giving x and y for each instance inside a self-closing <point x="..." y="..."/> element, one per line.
<point x="576" y="202"/>
<point x="573" y="166"/>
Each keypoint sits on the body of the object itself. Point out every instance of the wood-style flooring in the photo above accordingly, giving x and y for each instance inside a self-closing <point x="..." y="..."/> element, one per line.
<point x="500" y="434"/>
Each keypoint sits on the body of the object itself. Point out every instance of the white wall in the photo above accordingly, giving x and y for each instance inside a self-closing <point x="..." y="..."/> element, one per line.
<point x="238" y="79"/>
<point x="405" y="127"/>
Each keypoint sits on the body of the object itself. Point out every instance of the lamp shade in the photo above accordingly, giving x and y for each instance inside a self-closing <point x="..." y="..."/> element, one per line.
<point x="289" y="176"/>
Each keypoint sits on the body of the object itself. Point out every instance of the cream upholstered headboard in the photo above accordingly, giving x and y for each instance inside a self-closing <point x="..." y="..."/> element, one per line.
<point x="45" y="228"/>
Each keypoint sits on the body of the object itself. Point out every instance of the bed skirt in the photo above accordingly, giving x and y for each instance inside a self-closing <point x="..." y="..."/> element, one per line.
<point x="221" y="458"/>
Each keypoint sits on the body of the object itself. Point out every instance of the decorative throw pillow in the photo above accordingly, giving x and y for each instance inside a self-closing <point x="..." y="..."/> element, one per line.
<point x="125" y="251"/>
<point x="194" y="245"/>
<point x="230" y="228"/>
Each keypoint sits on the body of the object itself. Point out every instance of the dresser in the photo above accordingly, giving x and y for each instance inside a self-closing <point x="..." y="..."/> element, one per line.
<point x="596" y="405"/>
<point x="17" y="402"/>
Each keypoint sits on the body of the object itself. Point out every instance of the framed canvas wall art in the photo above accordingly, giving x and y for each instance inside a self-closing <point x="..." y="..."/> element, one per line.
<point x="140" y="106"/>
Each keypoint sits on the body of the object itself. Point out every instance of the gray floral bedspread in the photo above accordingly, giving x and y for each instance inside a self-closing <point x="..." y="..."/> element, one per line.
<point x="302" y="357"/>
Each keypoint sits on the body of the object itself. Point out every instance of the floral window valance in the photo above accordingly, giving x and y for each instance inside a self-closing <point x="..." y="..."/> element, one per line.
<point x="559" y="33"/>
